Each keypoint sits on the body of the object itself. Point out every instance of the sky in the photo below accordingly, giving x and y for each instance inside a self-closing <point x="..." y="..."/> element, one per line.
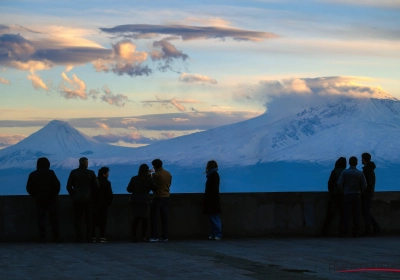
<point x="132" y="73"/>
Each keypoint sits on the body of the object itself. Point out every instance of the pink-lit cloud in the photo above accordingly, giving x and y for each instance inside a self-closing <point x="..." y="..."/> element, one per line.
<point x="8" y="140"/>
<point x="118" y="100"/>
<point x="4" y="81"/>
<point x="196" y="78"/>
<point x="72" y="88"/>
<point x="37" y="82"/>
<point x="170" y="103"/>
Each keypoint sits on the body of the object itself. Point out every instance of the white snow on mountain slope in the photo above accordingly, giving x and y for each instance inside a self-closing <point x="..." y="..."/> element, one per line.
<point x="317" y="132"/>
<point x="59" y="142"/>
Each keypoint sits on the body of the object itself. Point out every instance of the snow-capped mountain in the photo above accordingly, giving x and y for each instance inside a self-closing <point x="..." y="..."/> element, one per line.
<point x="316" y="133"/>
<point x="319" y="133"/>
<point x="59" y="142"/>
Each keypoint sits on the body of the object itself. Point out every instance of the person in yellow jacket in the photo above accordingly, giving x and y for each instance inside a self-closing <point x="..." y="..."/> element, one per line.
<point x="162" y="179"/>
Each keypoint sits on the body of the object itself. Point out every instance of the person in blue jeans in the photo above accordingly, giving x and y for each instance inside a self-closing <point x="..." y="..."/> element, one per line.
<point x="352" y="183"/>
<point x="211" y="200"/>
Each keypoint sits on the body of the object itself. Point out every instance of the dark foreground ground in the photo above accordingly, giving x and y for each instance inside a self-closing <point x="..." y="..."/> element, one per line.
<point x="284" y="258"/>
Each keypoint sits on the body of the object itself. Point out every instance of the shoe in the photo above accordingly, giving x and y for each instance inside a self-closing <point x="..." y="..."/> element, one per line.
<point x="103" y="240"/>
<point x="153" y="239"/>
<point x="211" y="237"/>
<point x="144" y="239"/>
<point x="164" y="239"/>
<point x="217" y="238"/>
<point x="94" y="240"/>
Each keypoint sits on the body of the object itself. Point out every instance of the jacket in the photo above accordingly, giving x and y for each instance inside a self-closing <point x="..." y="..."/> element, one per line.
<point x="211" y="200"/>
<point x="351" y="181"/>
<point x="81" y="184"/>
<point x="333" y="178"/>
<point x="140" y="188"/>
<point x="369" y="173"/>
<point x="162" y="179"/>
<point x="104" y="195"/>
<point x="43" y="184"/>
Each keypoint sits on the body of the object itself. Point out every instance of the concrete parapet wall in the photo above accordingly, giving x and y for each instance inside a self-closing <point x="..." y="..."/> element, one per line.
<point x="244" y="215"/>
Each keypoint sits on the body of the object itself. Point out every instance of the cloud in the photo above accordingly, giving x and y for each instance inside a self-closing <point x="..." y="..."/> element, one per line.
<point x="124" y="59"/>
<point x="290" y="93"/>
<point x="372" y="3"/>
<point x="170" y="103"/>
<point x="103" y="126"/>
<point x="186" y="32"/>
<point x="131" y="120"/>
<point x="195" y="78"/>
<point x="8" y="140"/>
<point x="180" y="120"/>
<point x="37" y="82"/>
<point x="168" y="135"/>
<point x="213" y="21"/>
<point x="72" y="88"/>
<point x="166" y="52"/>
<point x="4" y="81"/>
<point x="15" y="47"/>
<point x="133" y="138"/>
<point x="114" y="99"/>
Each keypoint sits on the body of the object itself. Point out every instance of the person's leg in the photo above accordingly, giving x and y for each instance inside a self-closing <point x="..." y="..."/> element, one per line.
<point x="329" y="214"/>
<point x="41" y="220"/>
<point x="78" y="215"/>
<point x="144" y="228"/>
<point x="88" y="209"/>
<point x="356" y="214"/>
<point x="135" y="224"/>
<point x="154" y="210"/>
<point x="53" y="213"/>
<point x="102" y="221"/>
<point x="366" y="212"/>
<point x="216" y="225"/>
<point x="346" y="215"/>
<point x="164" y="217"/>
<point x="339" y="205"/>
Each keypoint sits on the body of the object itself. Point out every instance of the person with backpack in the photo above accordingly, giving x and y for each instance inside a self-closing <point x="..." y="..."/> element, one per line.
<point x="335" y="202"/>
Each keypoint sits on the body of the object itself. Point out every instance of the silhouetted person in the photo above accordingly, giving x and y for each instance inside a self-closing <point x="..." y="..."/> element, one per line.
<point x="82" y="182"/>
<point x="44" y="186"/>
<point x="140" y="187"/>
<point x="371" y="225"/>
<point x="352" y="183"/>
<point x="211" y="201"/>
<point x="162" y="179"/>
<point x="102" y="199"/>
<point x="335" y="203"/>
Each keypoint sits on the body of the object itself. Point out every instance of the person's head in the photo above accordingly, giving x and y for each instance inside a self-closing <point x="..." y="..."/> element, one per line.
<point x="143" y="170"/>
<point x="341" y="163"/>
<point x="365" y="157"/>
<point x="157" y="163"/>
<point x="42" y="163"/>
<point x="211" y="165"/>
<point x="104" y="172"/>
<point x="83" y="162"/>
<point x="353" y="161"/>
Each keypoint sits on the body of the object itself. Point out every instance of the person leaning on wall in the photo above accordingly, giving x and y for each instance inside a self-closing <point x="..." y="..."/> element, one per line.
<point x="44" y="186"/>
<point x="211" y="200"/>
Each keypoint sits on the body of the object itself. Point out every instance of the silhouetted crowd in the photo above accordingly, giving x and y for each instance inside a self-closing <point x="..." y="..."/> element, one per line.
<point x="92" y="195"/>
<point x="351" y="192"/>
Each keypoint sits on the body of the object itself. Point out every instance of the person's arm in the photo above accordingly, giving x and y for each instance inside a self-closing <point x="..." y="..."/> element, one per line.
<point x="55" y="183"/>
<point x="130" y="187"/>
<point x="332" y="182"/>
<point x="110" y="194"/>
<point x="340" y="182"/>
<point x="29" y="186"/>
<point x="363" y="183"/>
<point x="70" y="187"/>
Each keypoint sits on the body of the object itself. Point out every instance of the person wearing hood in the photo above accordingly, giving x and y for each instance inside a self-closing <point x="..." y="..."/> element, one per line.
<point x="81" y="186"/>
<point x="371" y="225"/>
<point x="211" y="201"/>
<point x="335" y="203"/>
<point x="44" y="186"/>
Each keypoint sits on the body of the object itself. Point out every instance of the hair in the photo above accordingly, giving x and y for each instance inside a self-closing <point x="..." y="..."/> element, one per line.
<point x="157" y="163"/>
<point x="341" y="163"/>
<point x="103" y="171"/>
<point x="82" y="160"/>
<point x="353" y="161"/>
<point x="366" y="157"/>
<point x="42" y="163"/>
<point x="143" y="170"/>
<point x="211" y="165"/>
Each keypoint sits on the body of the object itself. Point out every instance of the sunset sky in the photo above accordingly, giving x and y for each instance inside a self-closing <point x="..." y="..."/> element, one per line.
<point x="136" y="72"/>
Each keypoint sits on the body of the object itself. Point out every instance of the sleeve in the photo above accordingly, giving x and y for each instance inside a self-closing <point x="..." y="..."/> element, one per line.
<point x="363" y="183"/>
<point x="70" y="188"/>
<point x="95" y="182"/>
<point x="110" y="194"/>
<point x="340" y="182"/>
<point x="29" y="186"/>
<point x="55" y="183"/>
<point x="129" y="189"/>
